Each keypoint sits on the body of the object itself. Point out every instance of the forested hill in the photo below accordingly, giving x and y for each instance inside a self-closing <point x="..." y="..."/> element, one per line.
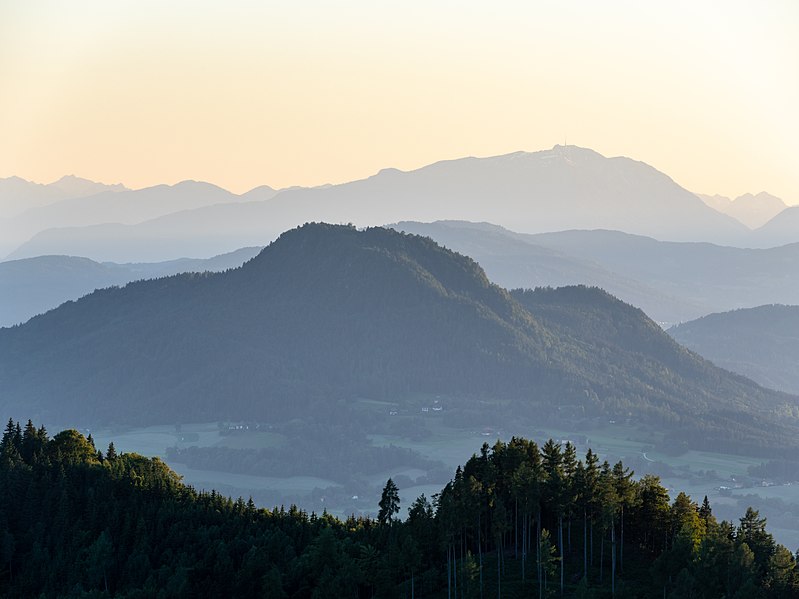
<point x="326" y="314"/>
<point x="517" y="520"/>
<point x="761" y="343"/>
<point x="661" y="377"/>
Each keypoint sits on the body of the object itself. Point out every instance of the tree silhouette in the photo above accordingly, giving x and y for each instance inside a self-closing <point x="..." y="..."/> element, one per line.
<point x="389" y="503"/>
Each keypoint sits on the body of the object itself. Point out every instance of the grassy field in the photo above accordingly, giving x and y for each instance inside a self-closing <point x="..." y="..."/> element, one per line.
<point x="154" y="440"/>
<point x="206" y="479"/>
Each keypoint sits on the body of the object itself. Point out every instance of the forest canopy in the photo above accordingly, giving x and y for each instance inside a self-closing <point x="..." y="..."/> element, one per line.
<point x="516" y="520"/>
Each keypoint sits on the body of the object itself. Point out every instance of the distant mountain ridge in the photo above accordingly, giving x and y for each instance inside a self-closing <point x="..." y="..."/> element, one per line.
<point x="761" y="343"/>
<point x="513" y="260"/>
<point x="780" y="229"/>
<point x="752" y="210"/>
<point x="566" y="187"/>
<point x="672" y="282"/>
<point x="18" y="195"/>
<point x="328" y="313"/>
<point x="35" y="285"/>
<point x="119" y="207"/>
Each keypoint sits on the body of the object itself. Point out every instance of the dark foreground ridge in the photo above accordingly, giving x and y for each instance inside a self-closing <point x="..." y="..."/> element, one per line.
<point x="327" y="314"/>
<point x="516" y="521"/>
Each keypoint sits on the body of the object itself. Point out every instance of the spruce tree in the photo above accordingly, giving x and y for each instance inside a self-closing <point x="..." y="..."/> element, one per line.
<point x="389" y="503"/>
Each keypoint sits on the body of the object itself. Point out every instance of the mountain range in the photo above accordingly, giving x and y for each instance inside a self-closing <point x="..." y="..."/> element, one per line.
<point x="782" y="229"/>
<point x="752" y="210"/>
<point x="114" y="208"/>
<point x="566" y="187"/>
<point x="761" y="343"/>
<point x="35" y="285"/>
<point x="672" y="282"/>
<point x="327" y="314"/>
<point x="18" y="195"/>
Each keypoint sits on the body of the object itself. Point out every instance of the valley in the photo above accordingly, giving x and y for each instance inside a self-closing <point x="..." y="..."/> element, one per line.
<point x="723" y="478"/>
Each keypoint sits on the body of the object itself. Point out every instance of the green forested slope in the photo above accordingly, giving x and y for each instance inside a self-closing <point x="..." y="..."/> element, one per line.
<point x="516" y="521"/>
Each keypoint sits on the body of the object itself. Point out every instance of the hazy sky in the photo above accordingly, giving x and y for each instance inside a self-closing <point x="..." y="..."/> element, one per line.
<point x="308" y="92"/>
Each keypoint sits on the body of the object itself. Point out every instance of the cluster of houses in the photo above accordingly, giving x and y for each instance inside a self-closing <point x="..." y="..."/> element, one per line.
<point x="436" y="407"/>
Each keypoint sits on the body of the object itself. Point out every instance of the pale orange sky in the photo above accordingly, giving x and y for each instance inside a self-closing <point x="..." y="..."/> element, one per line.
<point x="309" y="92"/>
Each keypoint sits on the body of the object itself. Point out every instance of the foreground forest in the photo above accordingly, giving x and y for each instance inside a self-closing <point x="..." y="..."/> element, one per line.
<point x="516" y="520"/>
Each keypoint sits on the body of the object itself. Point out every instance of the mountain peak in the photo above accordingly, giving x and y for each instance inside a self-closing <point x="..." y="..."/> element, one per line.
<point x="80" y="185"/>
<point x="71" y="178"/>
<point x="192" y="184"/>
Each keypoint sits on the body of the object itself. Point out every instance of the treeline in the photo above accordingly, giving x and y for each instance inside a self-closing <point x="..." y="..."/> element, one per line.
<point x="517" y="520"/>
<point x="776" y="470"/>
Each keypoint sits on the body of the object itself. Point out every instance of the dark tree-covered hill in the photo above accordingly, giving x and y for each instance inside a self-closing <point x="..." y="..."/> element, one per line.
<point x="328" y="313"/>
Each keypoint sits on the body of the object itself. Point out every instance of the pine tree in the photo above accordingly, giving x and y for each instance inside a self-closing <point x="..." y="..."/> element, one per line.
<point x="8" y="435"/>
<point x="389" y="503"/>
<point x="111" y="452"/>
<point x="705" y="512"/>
<point x="11" y="443"/>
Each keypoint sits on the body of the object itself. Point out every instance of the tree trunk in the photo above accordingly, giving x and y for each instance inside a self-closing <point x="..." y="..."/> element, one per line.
<point x="455" y="569"/>
<point x="585" y="544"/>
<point x="524" y="542"/>
<point x="621" y="547"/>
<point x="601" y="558"/>
<point x="562" y="561"/>
<point x="538" y="552"/>
<point x="613" y="559"/>
<point x="499" y="570"/>
<point x="449" y="580"/>
<point x="516" y="528"/>
<point x="480" y="552"/>
<point x="463" y="561"/>
<point x="569" y="543"/>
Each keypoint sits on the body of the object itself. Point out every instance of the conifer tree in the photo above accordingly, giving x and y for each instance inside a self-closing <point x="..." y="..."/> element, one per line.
<point x="389" y="503"/>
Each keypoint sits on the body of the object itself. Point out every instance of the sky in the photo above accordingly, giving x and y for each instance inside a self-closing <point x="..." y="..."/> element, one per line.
<point x="310" y="92"/>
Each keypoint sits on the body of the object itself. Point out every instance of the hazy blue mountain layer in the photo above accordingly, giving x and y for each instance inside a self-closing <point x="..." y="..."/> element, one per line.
<point x="33" y="286"/>
<point x="752" y="210"/>
<point x="761" y="343"/>
<point x="105" y="212"/>
<point x="563" y="188"/>
<point x="671" y="282"/>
